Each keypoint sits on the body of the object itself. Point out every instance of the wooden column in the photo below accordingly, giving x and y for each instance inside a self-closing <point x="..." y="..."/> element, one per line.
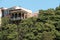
<point x="24" y="15"/>
<point x="21" y="15"/>
<point x="17" y="14"/>
<point x="10" y="15"/>
<point x="14" y="15"/>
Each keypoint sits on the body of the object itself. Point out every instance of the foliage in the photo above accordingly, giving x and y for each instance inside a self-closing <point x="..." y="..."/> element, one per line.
<point x="45" y="27"/>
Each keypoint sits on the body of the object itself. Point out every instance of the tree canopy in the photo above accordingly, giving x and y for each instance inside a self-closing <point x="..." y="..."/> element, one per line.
<point x="45" y="27"/>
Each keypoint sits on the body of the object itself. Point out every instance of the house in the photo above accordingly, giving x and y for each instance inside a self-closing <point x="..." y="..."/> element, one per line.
<point x="35" y="14"/>
<point x="0" y="16"/>
<point x="16" y="13"/>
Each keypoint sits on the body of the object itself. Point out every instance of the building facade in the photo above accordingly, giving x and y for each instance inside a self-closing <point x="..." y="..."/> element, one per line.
<point x="35" y="14"/>
<point x="0" y="17"/>
<point x="16" y="13"/>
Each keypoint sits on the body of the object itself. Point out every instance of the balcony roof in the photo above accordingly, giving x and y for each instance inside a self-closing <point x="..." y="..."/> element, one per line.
<point x="17" y="7"/>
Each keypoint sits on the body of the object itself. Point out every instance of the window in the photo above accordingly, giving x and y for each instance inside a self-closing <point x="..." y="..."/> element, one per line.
<point x="12" y="15"/>
<point x="15" y="15"/>
<point x="19" y="15"/>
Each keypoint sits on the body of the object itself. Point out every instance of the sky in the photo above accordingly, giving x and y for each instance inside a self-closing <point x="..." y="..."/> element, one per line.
<point x="33" y="5"/>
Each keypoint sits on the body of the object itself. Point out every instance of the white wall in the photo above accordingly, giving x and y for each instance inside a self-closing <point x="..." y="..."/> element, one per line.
<point x="0" y="13"/>
<point x="0" y="16"/>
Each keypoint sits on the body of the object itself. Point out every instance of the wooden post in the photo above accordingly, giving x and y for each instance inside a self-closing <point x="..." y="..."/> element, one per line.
<point x="24" y="15"/>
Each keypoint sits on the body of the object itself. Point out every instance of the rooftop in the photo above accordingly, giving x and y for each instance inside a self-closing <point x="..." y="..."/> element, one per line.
<point x="17" y="7"/>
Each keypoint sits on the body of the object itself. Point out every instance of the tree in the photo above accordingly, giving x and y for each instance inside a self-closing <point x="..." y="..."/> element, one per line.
<point x="47" y="36"/>
<point x="45" y="27"/>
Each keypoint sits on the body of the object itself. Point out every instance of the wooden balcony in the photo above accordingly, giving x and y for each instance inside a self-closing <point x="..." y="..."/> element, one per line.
<point x="17" y="18"/>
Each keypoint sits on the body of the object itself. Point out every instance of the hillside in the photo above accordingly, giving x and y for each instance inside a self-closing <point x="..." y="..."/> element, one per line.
<point x="45" y="27"/>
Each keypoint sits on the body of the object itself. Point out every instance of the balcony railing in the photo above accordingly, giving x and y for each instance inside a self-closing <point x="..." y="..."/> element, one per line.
<point x="17" y="18"/>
